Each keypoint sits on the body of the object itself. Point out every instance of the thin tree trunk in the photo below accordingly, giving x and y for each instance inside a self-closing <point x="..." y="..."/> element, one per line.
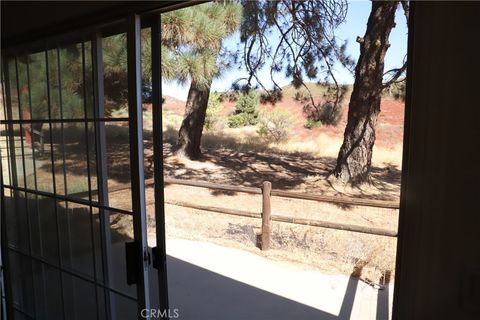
<point x="355" y="156"/>
<point x="190" y="134"/>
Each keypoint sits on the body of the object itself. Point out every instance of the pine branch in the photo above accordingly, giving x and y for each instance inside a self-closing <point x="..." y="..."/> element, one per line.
<point x="398" y="72"/>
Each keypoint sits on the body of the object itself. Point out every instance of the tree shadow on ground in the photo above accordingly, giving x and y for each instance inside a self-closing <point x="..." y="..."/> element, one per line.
<point x="76" y="147"/>
<point x="227" y="160"/>
<point x="251" y="163"/>
<point x="285" y="171"/>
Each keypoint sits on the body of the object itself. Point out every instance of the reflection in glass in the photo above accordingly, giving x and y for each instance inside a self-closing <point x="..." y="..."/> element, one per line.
<point x="125" y="309"/>
<point x="38" y="87"/>
<point x="88" y="80"/>
<point x="21" y="282"/>
<point x="70" y="159"/>
<point x="43" y="228"/>
<point x="71" y="81"/>
<point x="65" y="77"/>
<point x="58" y="158"/>
<point x="54" y="84"/>
<point x="29" y="157"/>
<point x="17" y="160"/>
<point x="92" y="158"/>
<point x="97" y="241"/>
<point x="17" y="221"/>
<point x="48" y="291"/>
<point x="76" y="165"/>
<point x="115" y="75"/>
<point x="79" y="297"/>
<point x="25" y="130"/>
<point x="23" y="89"/>
<point x="76" y="237"/>
<point x="8" y="161"/>
<point x="118" y="165"/>
<point x="43" y="160"/>
<point x="5" y="154"/>
<point x="13" y="113"/>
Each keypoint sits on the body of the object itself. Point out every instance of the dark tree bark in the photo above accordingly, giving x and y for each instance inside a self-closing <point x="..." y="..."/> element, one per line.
<point x="190" y="134"/>
<point x="355" y="156"/>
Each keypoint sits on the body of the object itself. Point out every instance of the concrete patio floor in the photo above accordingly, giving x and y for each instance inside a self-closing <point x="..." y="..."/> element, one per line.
<point x="207" y="281"/>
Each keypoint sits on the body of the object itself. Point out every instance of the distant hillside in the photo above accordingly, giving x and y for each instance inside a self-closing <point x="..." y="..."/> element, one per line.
<point x="390" y="124"/>
<point x="175" y="105"/>
<point x="170" y="99"/>
<point x="289" y="91"/>
<point x="317" y="90"/>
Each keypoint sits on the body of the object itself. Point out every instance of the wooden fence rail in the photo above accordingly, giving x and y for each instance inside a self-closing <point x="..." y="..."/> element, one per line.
<point x="344" y="201"/>
<point x="214" y="186"/>
<point x="337" y="200"/>
<point x="266" y="216"/>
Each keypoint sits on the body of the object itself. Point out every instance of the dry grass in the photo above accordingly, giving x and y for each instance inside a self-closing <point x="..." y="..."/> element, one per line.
<point x="322" y="249"/>
<point x="327" y="250"/>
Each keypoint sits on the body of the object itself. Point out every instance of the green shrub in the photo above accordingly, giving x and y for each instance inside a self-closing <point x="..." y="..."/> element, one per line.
<point x="214" y="109"/>
<point x="246" y="111"/>
<point x="275" y="125"/>
<point x="312" y="124"/>
<point x="237" y="120"/>
<point x="326" y="113"/>
<point x="331" y="115"/>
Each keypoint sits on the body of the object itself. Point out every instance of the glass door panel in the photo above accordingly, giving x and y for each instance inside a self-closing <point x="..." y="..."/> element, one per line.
<point x="72" y="197"/>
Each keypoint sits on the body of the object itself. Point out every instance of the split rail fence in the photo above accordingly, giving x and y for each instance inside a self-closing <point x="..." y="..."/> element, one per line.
<point x="266" y="215"/>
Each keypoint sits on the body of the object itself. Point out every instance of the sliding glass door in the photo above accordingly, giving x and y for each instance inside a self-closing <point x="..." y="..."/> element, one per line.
<point x="74" y="240"/>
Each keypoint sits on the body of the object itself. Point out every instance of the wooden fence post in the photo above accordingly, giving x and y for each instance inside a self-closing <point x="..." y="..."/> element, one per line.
<point x="266" y="212"/>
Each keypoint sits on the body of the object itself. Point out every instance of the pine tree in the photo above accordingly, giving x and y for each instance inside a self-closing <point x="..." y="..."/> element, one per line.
<point x="308" y="48"/>
<point x="59" y="97"/>
<point x="355" y="156"/>
<point x="115" y="72"/>
<point x="191" y="47"/>
<point x="247" y="110"/>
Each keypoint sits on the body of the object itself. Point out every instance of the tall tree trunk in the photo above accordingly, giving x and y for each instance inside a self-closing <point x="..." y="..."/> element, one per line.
<point x="355" y="156"/>
<point x="190" y="134"/>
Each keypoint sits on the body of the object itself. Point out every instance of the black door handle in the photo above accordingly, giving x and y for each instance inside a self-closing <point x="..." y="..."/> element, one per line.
<point x="131" y="263"/>
<point x="131" y="255"/>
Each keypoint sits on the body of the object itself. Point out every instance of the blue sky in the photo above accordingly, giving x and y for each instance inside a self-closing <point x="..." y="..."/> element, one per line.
<point x="355" y="25"/>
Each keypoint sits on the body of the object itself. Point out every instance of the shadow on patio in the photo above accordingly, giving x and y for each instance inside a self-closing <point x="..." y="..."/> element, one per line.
<point x="201" y="294"/>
